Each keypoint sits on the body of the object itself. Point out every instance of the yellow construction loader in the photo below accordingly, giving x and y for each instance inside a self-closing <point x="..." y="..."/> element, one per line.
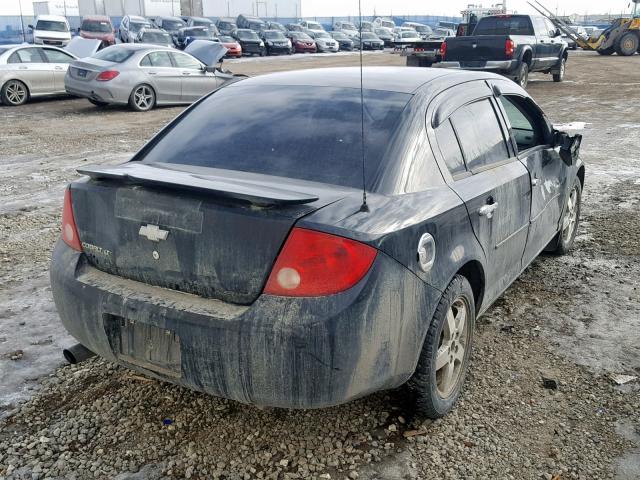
<point x="622" y="37"/>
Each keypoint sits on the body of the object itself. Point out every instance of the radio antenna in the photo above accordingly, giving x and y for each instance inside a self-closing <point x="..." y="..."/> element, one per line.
<point x="364" y="207"/>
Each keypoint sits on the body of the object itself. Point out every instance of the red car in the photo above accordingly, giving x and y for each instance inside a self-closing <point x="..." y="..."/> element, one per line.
<point x="98" y="27"/>
<point x="233" y="47"/>
<point x="302" y="43"/>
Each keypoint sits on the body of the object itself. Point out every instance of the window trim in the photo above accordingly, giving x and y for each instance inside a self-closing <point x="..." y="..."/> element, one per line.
<point x="45" y="49"/>
<point x="544" y="146"/>
<point x="43" y="58"/>
<point x="154" y="66"/>
<point x="174" y="63"/>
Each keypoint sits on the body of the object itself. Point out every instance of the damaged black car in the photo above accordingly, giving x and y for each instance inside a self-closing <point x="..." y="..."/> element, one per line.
<point x="267" y="252"/>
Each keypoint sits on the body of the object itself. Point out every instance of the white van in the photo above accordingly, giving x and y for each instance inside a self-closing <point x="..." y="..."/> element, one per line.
<point x="51" y="30"/>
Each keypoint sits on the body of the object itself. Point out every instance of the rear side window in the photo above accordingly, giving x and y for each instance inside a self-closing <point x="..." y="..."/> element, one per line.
<point x="114" y="54"/>
<point x="504" y="25"/>
<point x="26" y="55"/>
<point x="157" y="59"/>
<point x="480" y="135"/>
<point x="305" y="132"/>
<point x="450" y="148"/>
<point x="56" y="56"/>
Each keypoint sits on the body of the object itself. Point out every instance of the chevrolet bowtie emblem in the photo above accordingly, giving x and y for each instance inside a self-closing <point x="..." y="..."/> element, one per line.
<point x="153" y="233"/>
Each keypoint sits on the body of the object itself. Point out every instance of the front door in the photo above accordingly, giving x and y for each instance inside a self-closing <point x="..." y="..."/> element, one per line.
<point x="547" y="170"/>
<point x="33" y="69"/>
<point x="60" y="61"/>
<point x="196" y="82"/>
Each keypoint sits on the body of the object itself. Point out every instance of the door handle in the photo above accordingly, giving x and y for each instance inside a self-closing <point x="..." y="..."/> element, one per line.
<point x="58" y="68"/>
<point x="152" y="73"/>
<point x="487" y="210"/>
<point x="23" y="68"/>
<point x="535" y="182"/>
<point x="186" y="73"/>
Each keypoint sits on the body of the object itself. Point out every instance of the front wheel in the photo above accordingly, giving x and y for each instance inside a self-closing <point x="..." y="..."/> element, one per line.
<point x="627" y="45"/>
<point x="437" y="382"/>
<point x="142" y="98"/>
<point x="563" y="241"/>
<point x="558" y="77"/>
<point x="14" y="93"/>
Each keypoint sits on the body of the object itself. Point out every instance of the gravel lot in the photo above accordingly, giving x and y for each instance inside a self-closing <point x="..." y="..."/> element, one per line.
<point x="574" y="319"/>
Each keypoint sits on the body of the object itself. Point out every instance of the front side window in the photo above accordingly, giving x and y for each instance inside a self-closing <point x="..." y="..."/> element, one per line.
<point x="450" y="148"/>
<point x="185" y="61"/>
<point x="56" y="56"/>
<point x="480" y="135"/>
<point x="526" y="126"/>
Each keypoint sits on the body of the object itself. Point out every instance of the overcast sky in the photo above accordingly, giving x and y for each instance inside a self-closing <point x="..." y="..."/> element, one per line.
<point x="407" y="7"/>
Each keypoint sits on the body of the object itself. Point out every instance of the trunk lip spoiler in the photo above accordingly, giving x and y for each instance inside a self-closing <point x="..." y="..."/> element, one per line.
<point x="258" y="193"/>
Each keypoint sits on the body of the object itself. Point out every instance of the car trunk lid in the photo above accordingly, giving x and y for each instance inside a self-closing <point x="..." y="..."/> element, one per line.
<point x="477" y="48"/>
<point x="209" y="232"/>
<point x="88" y="68"/>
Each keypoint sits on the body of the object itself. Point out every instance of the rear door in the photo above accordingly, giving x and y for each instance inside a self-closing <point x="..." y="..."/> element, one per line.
<point x="34" y="69"/>
<point x="194" y="80"/>
<point x="548" y="173"/>
<point x="165" y="78"/>
<point x="491" y="181"/>
<point x="60" y="62"/>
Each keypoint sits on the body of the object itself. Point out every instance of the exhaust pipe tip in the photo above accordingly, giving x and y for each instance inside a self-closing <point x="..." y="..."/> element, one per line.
<point x="77" y="353"/>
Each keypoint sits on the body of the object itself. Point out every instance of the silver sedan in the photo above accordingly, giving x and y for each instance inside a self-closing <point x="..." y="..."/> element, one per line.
<point x="28" y="71"/>
<point x="143" y="76"/>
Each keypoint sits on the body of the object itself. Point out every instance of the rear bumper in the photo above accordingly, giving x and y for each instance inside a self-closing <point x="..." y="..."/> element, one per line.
<point x="89" y="89"/>
<point x="283" y="352"/>
<point x="499" y="66"/>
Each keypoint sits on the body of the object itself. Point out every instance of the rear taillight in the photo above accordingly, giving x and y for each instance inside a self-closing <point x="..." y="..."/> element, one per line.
<point x="509" y="48"/>
<point x="313" y="264"/>
<point x="69" y="230"/>
<point x="107" y="75"/>
<point x="443" y="50"/>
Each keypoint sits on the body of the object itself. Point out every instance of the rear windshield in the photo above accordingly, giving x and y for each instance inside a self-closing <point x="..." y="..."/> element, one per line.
<point x="52" y="26"/>
<point x="114" y="54"/>
<point x="99" y="26"/>
<point x="508" y="25"/>
<point x="304" y="132"/>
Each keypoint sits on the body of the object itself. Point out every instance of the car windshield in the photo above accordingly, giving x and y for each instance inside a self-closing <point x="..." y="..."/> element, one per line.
<point x="314" y="26"/>
<point x="247" y="35"/>
<point x="348" y="26"/>
<point x="172" y="25"/>
<point x="135" y="27"/>
<point x="114" y="54"/>
<point x="441" y="32"/>
<point x="202" y="23"/>
<point x="423" y="29"/>
<point x="388" y="24"/>
<point x="156" y="37"/>
<point x="226" y="39"/>
<point x="52" y="26"/>
<point x="339" y="35"/>
<point x="504" y="25"/>
<point x="368" y="36"/>
<point x="272" y="35"/>
<point x="96" y="26"/>
<point x="301" y="132"/>
<point x="302" y="36"/>
<point x="322" y="35"/>
<point x="382" y="31"/>
<point x="276" y="26"/>
<point x="198" y="32"/>
<point x="227" y="25"/>
<point x="409" y="34"/>
<point x="256" y="25"/>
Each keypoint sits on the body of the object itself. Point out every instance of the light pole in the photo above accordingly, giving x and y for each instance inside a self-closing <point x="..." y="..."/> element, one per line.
<point x="24" y="36"/>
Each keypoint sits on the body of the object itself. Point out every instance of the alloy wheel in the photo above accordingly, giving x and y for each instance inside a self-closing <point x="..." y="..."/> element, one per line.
<point x="15" y="93"/>
<point x="453" y="345"/>
<point x="143" y="97"/>
<point x="570" y="216"/>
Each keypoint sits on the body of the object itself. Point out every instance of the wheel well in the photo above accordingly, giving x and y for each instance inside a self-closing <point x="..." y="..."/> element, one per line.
<point x="581" y="176"/>
<point x="565" y="54"/>
<point x="474" y="273"/>
<point x="526" y="58"/>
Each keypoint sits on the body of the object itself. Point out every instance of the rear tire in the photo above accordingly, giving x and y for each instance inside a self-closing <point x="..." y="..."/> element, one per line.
<point x="607" y="51"/>
<point x="627" y="44"/>
<point x="142" y="98"/>
<point x="522" y="78"/>
<point x="14" y="93"/>
<point x="558" y="77"/>
<point x="563" y="241"/>
<point x="437" y="382"/>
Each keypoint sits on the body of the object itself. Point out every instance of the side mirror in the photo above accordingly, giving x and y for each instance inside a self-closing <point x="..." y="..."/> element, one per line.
<point x="569" y="146"/>
<point x="557" y="33"/>
<point x="209" y="69"/>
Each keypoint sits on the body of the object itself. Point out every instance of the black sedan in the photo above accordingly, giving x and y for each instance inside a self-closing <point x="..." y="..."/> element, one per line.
<point x="238" y="254"/>
<point x="275" y="42"/>
<point x="250" y="42"/>
<point x="343" y="40"/>
<point x="368" y="41"/>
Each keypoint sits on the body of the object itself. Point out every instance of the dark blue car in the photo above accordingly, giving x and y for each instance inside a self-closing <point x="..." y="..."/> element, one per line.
<point x="238" y="254"/>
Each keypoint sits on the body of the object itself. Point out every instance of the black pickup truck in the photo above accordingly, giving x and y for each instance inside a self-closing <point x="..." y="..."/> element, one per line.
<point x="512" y="45"/>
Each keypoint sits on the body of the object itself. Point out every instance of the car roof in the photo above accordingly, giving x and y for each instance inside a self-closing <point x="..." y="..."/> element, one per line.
<point x="140" y="46"/>
<point x="154" y="30"/>
<point x="200" y="19"/>
<point x="135" y="18"/>
<point x="393" y="79"/>
<point x="56" y="18"/>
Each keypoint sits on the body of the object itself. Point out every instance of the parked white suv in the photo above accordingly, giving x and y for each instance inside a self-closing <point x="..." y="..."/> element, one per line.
<point x="51" y="30"/>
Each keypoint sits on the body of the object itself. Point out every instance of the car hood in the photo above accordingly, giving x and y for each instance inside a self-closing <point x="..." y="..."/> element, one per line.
<point x="98" y="35"/>
<point x="83" y="47"/>
<point x="209" y="53"/>
<point x="52" y="34"/>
